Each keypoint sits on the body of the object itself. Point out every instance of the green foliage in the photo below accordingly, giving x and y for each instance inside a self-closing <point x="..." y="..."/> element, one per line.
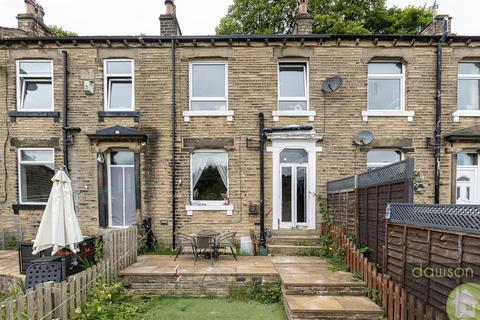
<point x="99" y="253"/>
<point x="258" y="17"/>
<point x="161" y="249"/>
<point x="337" y="261"/>
<point x="357" y="276"/>
<point x="109" y="302"/>
<point x="374" y="292"/>
<point x="322" y="205"/>
<point x="60" y="32"/>
<point x="11" y="242"/>
<point x="266" y="292"/>
<point x="330" y="16"/>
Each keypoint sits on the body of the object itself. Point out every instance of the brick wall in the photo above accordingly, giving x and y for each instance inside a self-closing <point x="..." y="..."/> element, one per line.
<point x="252" y="71"/>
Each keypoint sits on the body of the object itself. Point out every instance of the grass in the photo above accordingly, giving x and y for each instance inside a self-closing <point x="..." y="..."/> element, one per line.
<point x="212" y="309"/>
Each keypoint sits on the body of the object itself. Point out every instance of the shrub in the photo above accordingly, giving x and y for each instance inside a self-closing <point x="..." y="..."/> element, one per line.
<point x="109" y="302"/>
<point x="266" y="292"/>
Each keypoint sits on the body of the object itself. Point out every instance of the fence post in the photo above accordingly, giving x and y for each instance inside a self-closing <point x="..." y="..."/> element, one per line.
<point x="48" y="300"/>
<point x="8" y="309"/>
<point x="20" y="306"/>
<point x="39" y="298"/>
<point x="30" y="304"/>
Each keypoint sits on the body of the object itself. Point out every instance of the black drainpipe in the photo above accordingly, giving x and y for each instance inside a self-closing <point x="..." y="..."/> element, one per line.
<point x="262" y="180"/>
<point x="174" y="168"/>
<point x="65" y="109"/>
<point x="438" y="110"/>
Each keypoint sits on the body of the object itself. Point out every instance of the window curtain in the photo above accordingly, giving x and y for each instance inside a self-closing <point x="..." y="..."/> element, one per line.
<point x="203" y="160"/>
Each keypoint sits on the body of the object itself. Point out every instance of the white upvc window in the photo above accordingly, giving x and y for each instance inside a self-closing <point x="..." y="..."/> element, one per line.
<point x="208" y="89"/>
<point x="377" y="158"/>
<point x="36" y="168"/>
<point x="119" y="84"/>
<point x="34" y="85"/>
<point x="293" y="90"/>
<point x="468" y="90"/>
<point x="209" y="181"/>
<point x="386" y="90"/>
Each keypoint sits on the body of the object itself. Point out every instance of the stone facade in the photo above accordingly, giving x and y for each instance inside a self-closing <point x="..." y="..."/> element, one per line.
<point x="252" y="88"/>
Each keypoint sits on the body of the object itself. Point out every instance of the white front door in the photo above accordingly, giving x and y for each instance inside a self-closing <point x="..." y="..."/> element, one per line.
<point x="121" y="187"/>
<point x="467" y="183"/>
<point x="293" y="195"/>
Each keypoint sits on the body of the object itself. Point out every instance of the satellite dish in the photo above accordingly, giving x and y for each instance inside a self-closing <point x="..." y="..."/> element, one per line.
<point x="363" y="138"/>
<point x="332" y="84"/>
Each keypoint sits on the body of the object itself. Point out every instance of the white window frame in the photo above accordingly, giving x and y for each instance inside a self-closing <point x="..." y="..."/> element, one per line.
<point x="377" y="165"/>
<point x="205" y="205"/>
<point x="119" y="77"/>
<point x="460" y="112"/>
<point x="19" y="166"/>
<point x="20" y="89"/>
<point x="388" y="112"/>
<point x="293" y="113"/>
<point x="207" y="113"/>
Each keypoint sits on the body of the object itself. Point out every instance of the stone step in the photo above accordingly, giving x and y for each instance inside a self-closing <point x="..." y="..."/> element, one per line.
<point x="290" y="250"/>
<point x="330" y="307"/>
<point x="296" y="232"/>
<point x="322" y="284"/>
<point x="298" y="240"/>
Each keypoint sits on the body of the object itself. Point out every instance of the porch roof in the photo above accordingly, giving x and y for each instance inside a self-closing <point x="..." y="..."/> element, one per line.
<point x="466" y="134"/>
<point x="118" y="133"/>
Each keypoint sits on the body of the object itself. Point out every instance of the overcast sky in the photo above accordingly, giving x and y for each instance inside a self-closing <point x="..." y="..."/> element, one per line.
<point x="197" y="17"/>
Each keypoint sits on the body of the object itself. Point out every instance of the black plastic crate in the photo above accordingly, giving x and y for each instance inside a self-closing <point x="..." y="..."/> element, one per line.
<point x="74" y="264"/>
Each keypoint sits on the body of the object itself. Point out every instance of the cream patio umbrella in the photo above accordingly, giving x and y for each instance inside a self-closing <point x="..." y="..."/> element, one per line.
<point x="59" y="227"/>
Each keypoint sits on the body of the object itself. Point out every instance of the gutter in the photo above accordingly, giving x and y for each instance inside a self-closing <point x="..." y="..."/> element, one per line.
<point x="438" y="111"/>
<point x="174" y="133"/>
<point x="96" y="40"/>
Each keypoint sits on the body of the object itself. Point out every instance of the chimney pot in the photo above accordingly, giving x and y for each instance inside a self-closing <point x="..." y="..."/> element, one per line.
<point x="169" y="7"/>
<point x="30" y="6"/>
<point x="302" y="6"/>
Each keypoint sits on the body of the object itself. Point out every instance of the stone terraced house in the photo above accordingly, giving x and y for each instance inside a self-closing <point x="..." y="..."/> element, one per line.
<point x="167" y="127"/>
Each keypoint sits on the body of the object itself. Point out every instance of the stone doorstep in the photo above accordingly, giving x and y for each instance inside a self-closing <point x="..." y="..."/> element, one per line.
<point x="282" y="249"/>
<point x="294" y="240"/>
<point x="345" y="305"/>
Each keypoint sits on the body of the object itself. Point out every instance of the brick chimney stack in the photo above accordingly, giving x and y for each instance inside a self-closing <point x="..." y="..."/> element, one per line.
<point x="169" y="25"/>
<point x="32" y="20"/>
<point x="303" y="23"/>
<point x="436" y="27"/>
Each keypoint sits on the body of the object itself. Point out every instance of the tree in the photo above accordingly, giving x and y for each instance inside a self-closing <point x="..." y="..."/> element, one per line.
<point x="60" y="32"/>
<point x="330" y="16"/>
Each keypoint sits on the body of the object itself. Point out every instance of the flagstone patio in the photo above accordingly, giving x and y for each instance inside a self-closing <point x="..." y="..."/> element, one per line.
<point x="9" y="270"/>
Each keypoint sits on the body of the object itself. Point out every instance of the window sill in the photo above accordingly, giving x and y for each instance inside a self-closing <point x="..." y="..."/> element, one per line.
<point x="465" y="113"/>
<point x="228" y="209"/>
<point x="387" y="113"/>
<point x="34" y="114"/>
<point x="188" y="114"/>
<point x="306" y="113"/>
<point x="17" y="207"/>
<point x="120" y="114"/>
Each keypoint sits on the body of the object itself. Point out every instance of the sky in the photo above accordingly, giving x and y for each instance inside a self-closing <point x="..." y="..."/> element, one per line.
<point x="197" y="17"/>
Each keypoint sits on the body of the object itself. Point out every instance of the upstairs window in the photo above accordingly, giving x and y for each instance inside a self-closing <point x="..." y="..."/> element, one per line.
<point x="468" y="92"/>
<point x="34" y="85"/>
<point x="208" y="86"/>
<point x="209" y="177"/>
<point x="378" y="158"/>
<point x="119" y="85"/>
<point x="292" y="86"/>
<point x="36" y="169"/>
<point x="386" y="86"/>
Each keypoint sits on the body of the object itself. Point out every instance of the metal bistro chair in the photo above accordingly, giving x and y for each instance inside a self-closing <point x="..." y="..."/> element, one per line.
<point x="227" y="241"/>
<point x="184" y="241"/>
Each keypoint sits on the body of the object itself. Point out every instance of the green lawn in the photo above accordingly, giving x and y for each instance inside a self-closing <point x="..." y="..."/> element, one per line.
<point x="210" y="309"/>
